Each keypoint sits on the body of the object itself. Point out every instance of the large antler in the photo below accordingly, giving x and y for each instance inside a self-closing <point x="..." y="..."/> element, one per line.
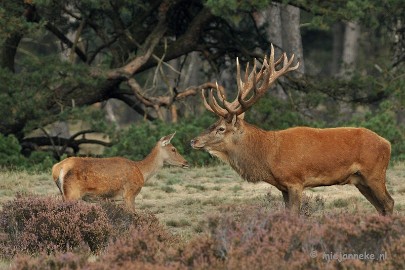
<point x="259" y="82"/>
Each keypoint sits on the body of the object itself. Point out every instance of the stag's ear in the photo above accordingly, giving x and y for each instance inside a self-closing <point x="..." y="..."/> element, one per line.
<point x="166" y="139"/>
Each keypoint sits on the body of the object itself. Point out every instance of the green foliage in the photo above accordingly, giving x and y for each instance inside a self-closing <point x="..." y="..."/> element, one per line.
<point x="11" y="157"/>
<point x="272" y="113"/>
<point x="383" y="121"/>
<point x="232" y="7"/>
<point x="26" y="95"/>
<point x="12" y="21"/>
<point x="137" y="140"/>
<point x="40" y="161"/>
<point x="372" y="14"/>
<point x="10" y="151"/>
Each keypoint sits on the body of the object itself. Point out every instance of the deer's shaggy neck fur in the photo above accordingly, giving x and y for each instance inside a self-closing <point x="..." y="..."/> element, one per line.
<point x="247" y="157"/>
<point x="151" y="164"/>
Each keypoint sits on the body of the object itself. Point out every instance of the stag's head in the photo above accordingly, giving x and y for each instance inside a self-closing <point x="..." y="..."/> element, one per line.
<point x="230" y="126"/>
<point x="169" y="153"/>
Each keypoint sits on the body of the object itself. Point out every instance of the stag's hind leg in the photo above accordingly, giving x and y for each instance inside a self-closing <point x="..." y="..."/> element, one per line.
<point x="367" y="192"/>
<point x="377" y="194"/>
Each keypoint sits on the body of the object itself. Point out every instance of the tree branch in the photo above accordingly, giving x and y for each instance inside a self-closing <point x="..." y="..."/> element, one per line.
<point x="32" y="143"/>
<point x="147" y="48"/>
<point x="132" y="104"/>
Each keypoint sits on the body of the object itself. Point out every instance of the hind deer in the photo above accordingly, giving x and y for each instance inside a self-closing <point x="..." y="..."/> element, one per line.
<point x="295" y="158"/>
<point x="109" y="177"/>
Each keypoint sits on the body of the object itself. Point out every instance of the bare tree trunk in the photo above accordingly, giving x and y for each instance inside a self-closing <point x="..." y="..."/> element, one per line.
<point x="60" y="129"/>
<point x="399" y="57"/>
<point x="350" y="46"/>
<point x="109" y="108"/>
<point x="273" y="29"/>
<point x="191" y="77"/>
<point x="292" y="42"/>
<point x="171" y="83"/>
<point x="337" y="48"/>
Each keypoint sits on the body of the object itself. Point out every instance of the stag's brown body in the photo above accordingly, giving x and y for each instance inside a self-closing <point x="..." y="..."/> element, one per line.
<point x="295" y="158"/>
<point x="110" y="177"/>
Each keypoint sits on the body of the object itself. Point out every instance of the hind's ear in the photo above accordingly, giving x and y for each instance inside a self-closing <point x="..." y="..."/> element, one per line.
<point x="166" y="139"/>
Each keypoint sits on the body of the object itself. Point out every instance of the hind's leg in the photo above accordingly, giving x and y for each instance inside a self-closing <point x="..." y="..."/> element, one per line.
<point x="129" y="196"/>
<point x="71" y="194"/>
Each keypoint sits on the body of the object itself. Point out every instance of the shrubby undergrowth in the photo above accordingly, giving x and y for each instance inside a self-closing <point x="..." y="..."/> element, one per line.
<point x="12" y="158"/>
<point x="240" y="237"/>
<point x="137" y="140"/>
<point x="45" y="224"/>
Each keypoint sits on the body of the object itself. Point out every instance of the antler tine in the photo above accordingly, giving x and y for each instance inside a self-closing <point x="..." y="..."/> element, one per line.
<point x="286" y="66"/>
<point x="271" y="59"/>
<point x="290" y="62"/>
<point x="238" y="79"/>
<point x="242" y="102"/>
<point x="212" y="106"/>
<point x="215" y="106"/>
<point x="204" y="98"/>
<point x="225" y="103"/>
<point x="267" y="76"/>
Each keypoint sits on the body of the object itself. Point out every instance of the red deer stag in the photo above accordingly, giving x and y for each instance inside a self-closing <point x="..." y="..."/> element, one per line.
<point x="109" y="177"/>
<point x="295" y="158"/>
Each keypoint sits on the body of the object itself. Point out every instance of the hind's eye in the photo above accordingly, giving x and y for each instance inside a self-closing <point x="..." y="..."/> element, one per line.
<point x="173" y="149"/>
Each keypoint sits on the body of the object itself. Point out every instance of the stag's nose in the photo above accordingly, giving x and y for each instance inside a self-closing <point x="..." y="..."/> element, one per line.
<point x="192" y="142"/>
<point x="185" y="165"/>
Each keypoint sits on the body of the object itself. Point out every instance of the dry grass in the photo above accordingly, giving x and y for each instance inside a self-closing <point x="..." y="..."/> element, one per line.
<point x="182" y="199"/>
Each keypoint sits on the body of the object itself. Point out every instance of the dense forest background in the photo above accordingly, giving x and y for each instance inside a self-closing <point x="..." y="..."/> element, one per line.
<point x="122" y="74"/>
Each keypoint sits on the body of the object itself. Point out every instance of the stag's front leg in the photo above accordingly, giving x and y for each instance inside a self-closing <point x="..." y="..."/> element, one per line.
<point x="285" y="198"/>
<point x="294" y="199"/>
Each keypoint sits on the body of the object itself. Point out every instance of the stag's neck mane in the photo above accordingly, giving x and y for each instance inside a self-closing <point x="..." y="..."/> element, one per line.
<point x="151" y="164"/>
<point x="248" y="159"/>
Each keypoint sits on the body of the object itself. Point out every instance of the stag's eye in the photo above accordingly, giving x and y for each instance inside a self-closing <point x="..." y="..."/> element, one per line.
<point x="221" y="129"/>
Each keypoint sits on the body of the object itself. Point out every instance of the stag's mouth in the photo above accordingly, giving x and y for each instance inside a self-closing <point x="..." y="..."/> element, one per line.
<point x="196" y="144"/>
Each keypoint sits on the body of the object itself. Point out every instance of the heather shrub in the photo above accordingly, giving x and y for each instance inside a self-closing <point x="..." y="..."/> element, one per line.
<point x="122" y="219"/>
<point x="142" y="247"/>
<point x="252" y="238"/>
<point x="45" y="224"/>
<point x="67" y="260"/>
<point x="245" y="237"/>
<point x="312" y="204"/>
<point x="309" y="205"/>
<point x="203" y="252"/>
